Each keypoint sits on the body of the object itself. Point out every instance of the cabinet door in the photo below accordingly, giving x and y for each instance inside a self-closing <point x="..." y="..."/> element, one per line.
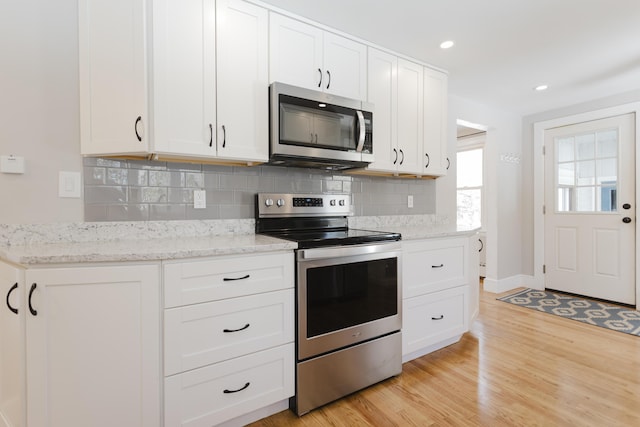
<point x="434" y="264"/>
<point x="435" y="122"/>
<point x="201" y="334"/>
<point x="184" y="77"/>
<point x="12" y="367"/>
<point x="345" y="67"/>
<point x="432" y="319"/>
<point x="216" y="393"/>
<point x="382" y="91"/>
<point x="93" y="346"/>
<point x="243" y="87"/>
<point x="295" y="52"/>
<point x="410" y="117"/>
<point x="113" y="82"/>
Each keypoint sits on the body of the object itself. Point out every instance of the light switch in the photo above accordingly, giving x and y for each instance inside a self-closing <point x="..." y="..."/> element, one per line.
<point x="69" y="184"/>
<point x="11" y="164"/>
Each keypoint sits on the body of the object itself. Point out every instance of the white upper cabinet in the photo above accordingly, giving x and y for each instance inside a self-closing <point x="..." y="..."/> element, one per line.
<point x="184" y="77"/>
<point x="382" y="92"/>
<point x="243" y="81"/>
<point x="410" y="116"/>
<point x="345" y="67"/>
<point x="435" y="123"/>
<point x="395" y="89"/>
<point x="114" y="117"/>
<point x="306" y="56"/>
<point x="208" y="67"/>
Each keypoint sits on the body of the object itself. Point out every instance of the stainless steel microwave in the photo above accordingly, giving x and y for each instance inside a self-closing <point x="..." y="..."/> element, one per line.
<point x="315" y="129"/>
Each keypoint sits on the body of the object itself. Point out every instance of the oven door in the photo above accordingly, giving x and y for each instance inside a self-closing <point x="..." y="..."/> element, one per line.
<point x="346" y="295"/>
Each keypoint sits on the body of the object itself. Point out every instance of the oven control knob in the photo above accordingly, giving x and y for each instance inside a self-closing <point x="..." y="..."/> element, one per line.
<point x="280" y="203"/>
<point x="341" y="202"/>
<point x="332" y="202"/>
<point x="268" y="202"/>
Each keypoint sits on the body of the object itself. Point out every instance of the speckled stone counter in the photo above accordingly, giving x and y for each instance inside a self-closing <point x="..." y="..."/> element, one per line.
<point x="131" y="241"/>
<point x="412" y="227"/>
<point x="86" y="242"/>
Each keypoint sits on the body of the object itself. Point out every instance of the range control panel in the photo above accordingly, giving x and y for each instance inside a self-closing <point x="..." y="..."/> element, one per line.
<point x="279" y="204"/>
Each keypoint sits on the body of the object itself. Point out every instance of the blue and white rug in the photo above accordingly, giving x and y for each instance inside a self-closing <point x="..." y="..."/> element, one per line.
<point x="583" y="310"/>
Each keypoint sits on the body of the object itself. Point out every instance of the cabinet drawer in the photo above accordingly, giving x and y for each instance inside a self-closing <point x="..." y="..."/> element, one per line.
<point x="435" y="265"/>
<point x="217" y="393"/>
<point x="429" y="319"/>
<point x="202" y="334"/>
<point x="226" y="277"/>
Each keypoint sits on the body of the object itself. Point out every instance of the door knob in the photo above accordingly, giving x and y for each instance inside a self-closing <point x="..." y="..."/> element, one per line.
<point x="626" y="206"/>
<point x="626" y="220"/>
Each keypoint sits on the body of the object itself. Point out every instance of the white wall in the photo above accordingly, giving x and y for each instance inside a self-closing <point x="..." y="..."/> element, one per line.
<point x="39" y="108"/>
<point x="528" y="156"/>
<point x="502" y="187"/>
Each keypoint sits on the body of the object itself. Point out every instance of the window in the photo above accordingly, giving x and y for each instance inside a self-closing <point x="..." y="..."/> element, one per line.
<point x="587" y="172"/>
<point x="469" y="174"/>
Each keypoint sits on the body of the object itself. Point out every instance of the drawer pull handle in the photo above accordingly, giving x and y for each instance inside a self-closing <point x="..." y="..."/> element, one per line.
<point x="227" y="391"/>
<point x="33" y="288"/>
<point x="437" y="266"/>
<point x="229" y="279"/>
<point x="438" y="318"/>
<point x="236" y="330"/>
<point x="13" y="288"/>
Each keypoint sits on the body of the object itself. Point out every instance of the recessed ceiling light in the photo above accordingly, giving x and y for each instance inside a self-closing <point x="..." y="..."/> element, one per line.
<point x="446" y="45"/>
<point x="540" y="88"/>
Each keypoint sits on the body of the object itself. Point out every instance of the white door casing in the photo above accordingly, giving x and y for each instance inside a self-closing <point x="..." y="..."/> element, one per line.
<point x="589" y="183"/>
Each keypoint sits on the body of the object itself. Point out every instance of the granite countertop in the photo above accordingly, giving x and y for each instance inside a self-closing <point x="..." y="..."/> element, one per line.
<point x="43" y="244"/>
<point x="68" y="243"/>
<point x="435" y="231"/>
<point x="412" y="227"/>
<point x="142" y="250"/>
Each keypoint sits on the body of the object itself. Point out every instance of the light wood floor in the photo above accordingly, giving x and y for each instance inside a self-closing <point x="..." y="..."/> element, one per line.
<point x="516" y="367"/>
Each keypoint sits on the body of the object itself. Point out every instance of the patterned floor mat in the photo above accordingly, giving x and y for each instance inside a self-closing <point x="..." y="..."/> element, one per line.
<point x="581" y="309"/>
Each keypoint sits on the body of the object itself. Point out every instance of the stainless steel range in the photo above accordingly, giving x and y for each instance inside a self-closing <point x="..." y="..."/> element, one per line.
<point x="348" y="296"/>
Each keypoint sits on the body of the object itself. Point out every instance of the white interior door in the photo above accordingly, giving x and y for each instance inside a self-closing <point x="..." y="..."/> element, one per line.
<point x="590" y="209"/>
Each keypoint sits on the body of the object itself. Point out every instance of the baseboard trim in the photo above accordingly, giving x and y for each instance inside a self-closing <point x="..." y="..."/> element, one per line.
<point x="509" y="283"/>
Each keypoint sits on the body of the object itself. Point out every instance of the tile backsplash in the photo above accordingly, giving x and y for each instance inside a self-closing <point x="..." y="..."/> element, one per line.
<point x="138" y="190"/>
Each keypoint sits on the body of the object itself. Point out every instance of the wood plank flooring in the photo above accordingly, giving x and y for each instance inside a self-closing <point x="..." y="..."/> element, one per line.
<point x="516" y="367"/>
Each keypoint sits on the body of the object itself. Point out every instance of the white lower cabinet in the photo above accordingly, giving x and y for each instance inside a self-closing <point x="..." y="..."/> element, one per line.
<point x="201" y="334"/>
<point x="216" y="393"/>
<point x="228" y="337"/>
<point x="438" y="287"/>
<point x="12" y="366"/>
<point x="434" y="318"/>
<point x="92" y="344"/>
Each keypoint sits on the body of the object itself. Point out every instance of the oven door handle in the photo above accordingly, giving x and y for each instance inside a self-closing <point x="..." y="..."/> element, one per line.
<point x="345" y="251"/>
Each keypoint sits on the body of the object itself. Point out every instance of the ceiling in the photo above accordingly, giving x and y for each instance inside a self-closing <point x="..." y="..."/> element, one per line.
<point x="582" y="49"/>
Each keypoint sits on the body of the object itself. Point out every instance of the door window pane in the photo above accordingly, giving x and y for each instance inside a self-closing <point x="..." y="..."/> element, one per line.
<point x="564" y="149"/>
<point x="587" y="172"/>
<point x="585" y="147"/>
<point x="566" y="174"/>
<point x="585" y="199"/>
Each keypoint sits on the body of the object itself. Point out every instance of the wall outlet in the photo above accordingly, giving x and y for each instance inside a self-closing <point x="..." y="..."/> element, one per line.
<point x="199" y="199"/>
<point x="409" y="201"/>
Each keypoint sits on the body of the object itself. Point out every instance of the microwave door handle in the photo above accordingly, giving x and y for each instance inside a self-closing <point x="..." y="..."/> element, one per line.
<point x="361" y="127"/>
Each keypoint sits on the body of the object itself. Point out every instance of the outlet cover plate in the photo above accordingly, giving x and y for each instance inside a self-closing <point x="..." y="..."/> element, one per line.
<point x="199" y="199"/>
